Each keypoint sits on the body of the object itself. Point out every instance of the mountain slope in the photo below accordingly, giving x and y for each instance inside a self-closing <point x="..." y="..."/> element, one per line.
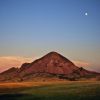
<point x="9" y="74"/>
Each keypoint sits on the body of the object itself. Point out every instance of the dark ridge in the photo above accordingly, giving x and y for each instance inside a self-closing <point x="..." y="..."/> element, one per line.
<point x="10" y="70"/>
<point x="24" y="66"/>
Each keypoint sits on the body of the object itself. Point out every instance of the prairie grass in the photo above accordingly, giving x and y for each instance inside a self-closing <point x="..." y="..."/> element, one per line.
<point x="51" y="90"/>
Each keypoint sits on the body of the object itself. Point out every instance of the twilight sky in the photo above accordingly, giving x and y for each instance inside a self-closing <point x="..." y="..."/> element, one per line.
<point x="31" y="28"/>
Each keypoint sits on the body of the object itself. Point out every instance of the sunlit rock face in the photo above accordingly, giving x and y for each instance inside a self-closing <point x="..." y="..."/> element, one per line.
<point x="52" y="63"/>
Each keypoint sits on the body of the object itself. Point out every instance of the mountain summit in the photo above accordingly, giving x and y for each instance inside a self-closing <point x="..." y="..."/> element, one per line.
<point x="49" y="66"/>
<point x="52" y="63"/>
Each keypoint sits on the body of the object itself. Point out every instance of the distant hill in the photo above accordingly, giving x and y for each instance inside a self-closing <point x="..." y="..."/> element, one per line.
<point x="52" y="65"/>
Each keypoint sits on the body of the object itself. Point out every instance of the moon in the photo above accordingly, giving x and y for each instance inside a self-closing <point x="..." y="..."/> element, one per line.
<point x="86" y="14"/>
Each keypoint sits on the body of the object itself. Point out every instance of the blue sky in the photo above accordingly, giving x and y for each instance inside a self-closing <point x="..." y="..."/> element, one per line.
<point x="35" y="27"/>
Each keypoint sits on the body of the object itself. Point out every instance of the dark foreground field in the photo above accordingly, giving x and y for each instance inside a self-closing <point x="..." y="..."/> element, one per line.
<point x="84" y="90"/>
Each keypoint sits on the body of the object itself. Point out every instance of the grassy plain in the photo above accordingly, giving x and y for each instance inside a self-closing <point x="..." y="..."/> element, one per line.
<point x="51" y="90"/>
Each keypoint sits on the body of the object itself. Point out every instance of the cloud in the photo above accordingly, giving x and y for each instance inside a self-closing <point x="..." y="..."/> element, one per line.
<point x="7" y="62"/>
<point x="87" y="65"/>
<point x="81" y="63"/>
